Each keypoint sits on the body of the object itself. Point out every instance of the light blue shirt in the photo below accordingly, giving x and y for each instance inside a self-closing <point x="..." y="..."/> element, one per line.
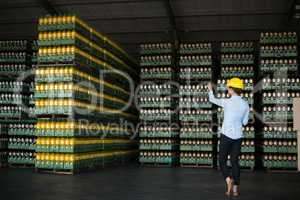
<point x="236" y="114"/>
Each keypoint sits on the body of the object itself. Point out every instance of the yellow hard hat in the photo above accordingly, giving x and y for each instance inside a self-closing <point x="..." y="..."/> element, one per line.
<point x="235" y="83"/>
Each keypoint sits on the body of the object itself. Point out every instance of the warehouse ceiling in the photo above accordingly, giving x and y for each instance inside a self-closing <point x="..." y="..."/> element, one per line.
<point x="131" y="22"/>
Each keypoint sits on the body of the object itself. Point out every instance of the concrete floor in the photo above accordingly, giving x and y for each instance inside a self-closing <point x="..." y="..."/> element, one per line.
<point x="137" y="183"/>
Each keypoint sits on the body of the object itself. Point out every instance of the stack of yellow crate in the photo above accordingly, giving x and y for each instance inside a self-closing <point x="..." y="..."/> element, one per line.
<point x="82" y="97"/>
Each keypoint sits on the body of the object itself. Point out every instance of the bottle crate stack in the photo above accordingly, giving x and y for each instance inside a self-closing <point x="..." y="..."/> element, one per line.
<point x="280" y="84"/>
<point x="15" y="114"/>
<point x="158" y="102"/>
<point x="3" y="145"/>
<point x="196" y="114"/>
<point x="81" y="97"/>
<point x="238" y="60"/>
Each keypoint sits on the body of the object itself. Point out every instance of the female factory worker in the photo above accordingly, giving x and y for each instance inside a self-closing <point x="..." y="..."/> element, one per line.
<point x="236" y="114"/>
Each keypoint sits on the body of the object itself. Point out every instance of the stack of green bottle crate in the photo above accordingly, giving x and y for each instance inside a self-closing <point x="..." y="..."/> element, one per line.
<point x="196" y="133"/>
<point x="3" y="145"/>
<point x="158" y="103"/>
<point x="242" y="65"/>
<point x="16" y="78"/>
<point x="82" y="97"/>
<point x="280" y="84"/>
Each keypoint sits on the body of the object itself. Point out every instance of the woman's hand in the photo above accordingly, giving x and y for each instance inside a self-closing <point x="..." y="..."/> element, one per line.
<point x="209" y="86"/>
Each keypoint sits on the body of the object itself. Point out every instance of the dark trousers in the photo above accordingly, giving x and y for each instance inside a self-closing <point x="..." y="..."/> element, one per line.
<point x="230" y="147"/>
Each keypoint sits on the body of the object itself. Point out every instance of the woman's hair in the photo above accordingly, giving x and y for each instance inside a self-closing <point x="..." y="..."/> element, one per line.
<point x="237" y="90"/>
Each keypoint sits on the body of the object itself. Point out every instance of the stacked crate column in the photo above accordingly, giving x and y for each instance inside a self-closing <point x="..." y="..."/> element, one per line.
<point x="79" y="97"/>
<point x="158" y="103"/>
<point x="238" y="60"/>
<point x="16" y="120"/>
<point x="280" y="84"/>
<point x="196" y="135"/>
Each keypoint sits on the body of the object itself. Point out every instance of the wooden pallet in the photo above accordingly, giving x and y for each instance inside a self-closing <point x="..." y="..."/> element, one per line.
<point x="57" y="171"/>
<point x="121" y="162"/>
<point x="245" y="169"/>
<point x="281" y="170"/>
<point x="203" y="166"/>
<point x="22" y="166"/>
<point x="158" y="164"/>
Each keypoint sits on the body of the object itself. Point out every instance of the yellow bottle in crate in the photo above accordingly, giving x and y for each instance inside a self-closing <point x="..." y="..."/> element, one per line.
<point x="38" y="157"/>
<point x="59" y="51"/>
<point x="39" y="103"/>
<point x="55" y="71"/>
<point x="62" y="144"/>
<point x="41" y="21"/>
<point x="67" y="50"/>
<point x="42" y="88"/>
<point x="38" y="72"/>
<point x="43" y="125"/>
<point x="37" y="88"/>
<point x="48" y="36"/>
<point x="46" y="87"/>
<point x="67" y="125"/>
<point x="51" y="160"/>
<point x="45" y="21"/>
<point x="38" y="126"/>
<point x="63" y="50"/>
<point x="57" y="126"/>
<point x="67" y="144"/>
<point x="44" y="51"/>
<point x="38" y="144"/>
<point x="52" y="144"/>
<point x="64" y="20"/>
<point x="66" y="161"/>
<point x="68" y="19"/>
<point x="63" y="34"/>
<point x="54" y="50"/>
<point x="54" y="35"/>
<point x="68" y="34"/>
<point x="40" y="52"/>
<point x="47" y="160"/>
<point x="61" y="159"/>
<point x="41" y="36"/>
<point x="71" y="70"/>
<point x="59" y="19"/>
<point x="65" y="71"/>
<point x="58" y="35"/>
<point x="50" y="20"/>
<point x="73" y="125"/>
<point x="51" y="70"/>
<point x="41" y="72"/>
<point x="72" y="159"/>
<point x="72" y="142"/>
<point x="58" y="86"/>
<point x="54" y="20"/>
<point x="38" y="160"/>
<point x="72" y="50"/>
<point x="42" y="143"/>
<point x="63" y="129"/>
<point x="56" y="160"/>
<point x="73" y="18"/>
<point x="73" y="34"/>
<point x="47" y="126"/>
<point x="57" y="144"/>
